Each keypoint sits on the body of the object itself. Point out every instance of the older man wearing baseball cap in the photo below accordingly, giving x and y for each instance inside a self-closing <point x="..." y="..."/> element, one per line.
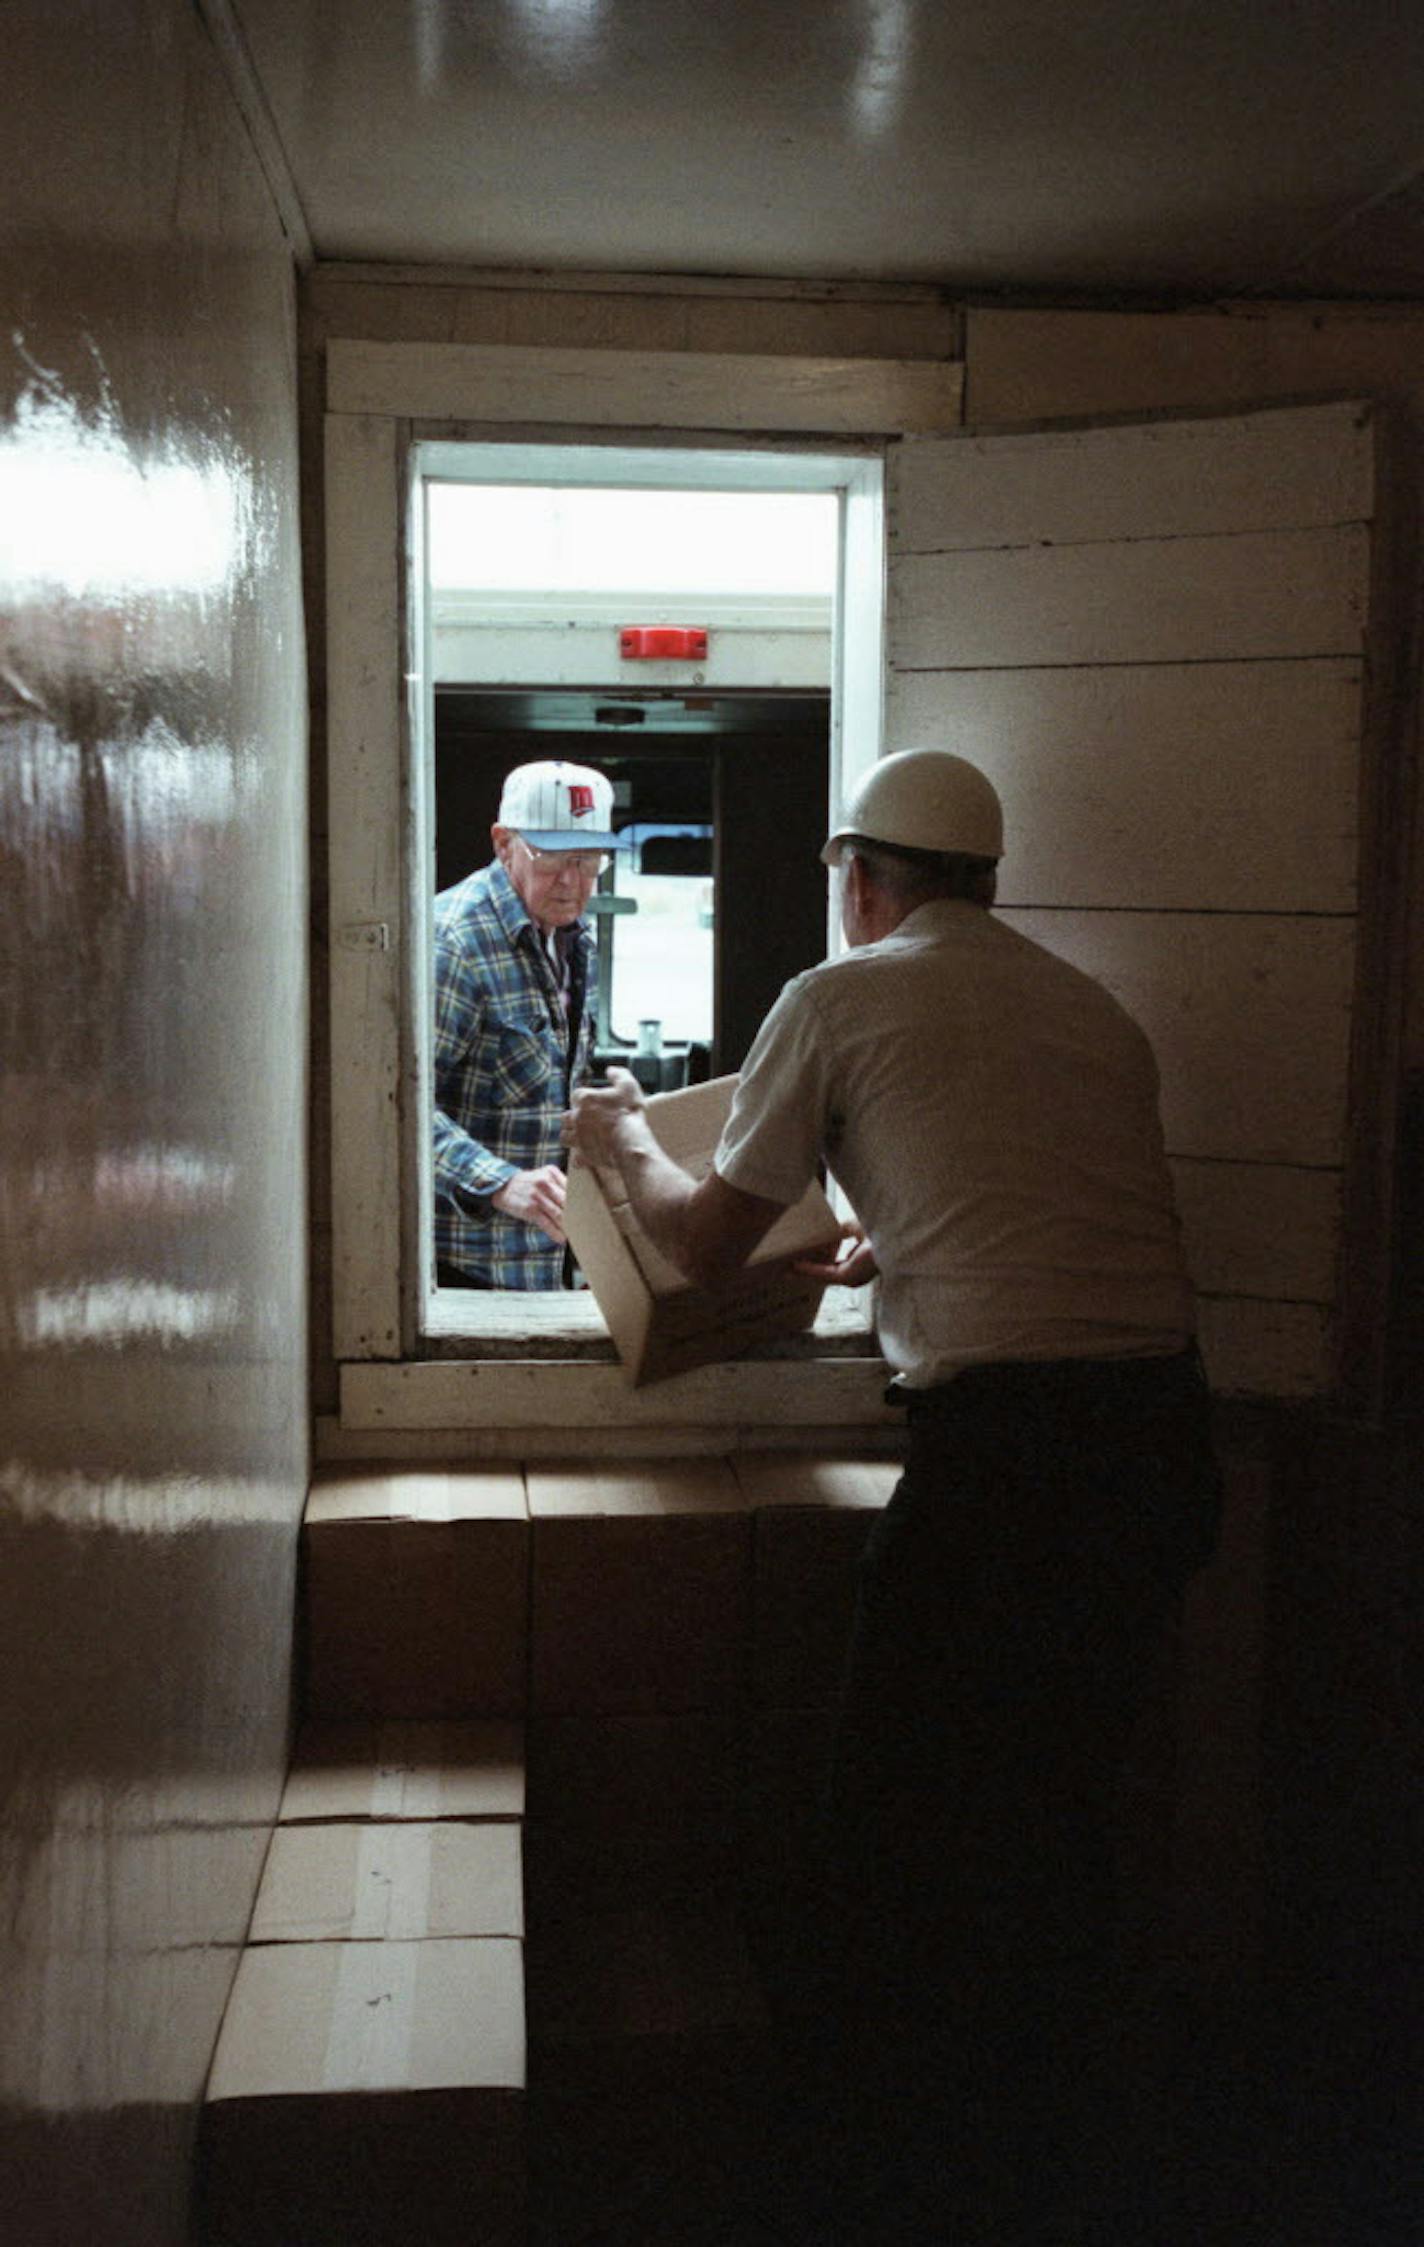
<point x="514" y="990"/>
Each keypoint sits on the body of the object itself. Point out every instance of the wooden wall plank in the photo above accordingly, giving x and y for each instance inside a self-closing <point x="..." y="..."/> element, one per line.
<point x="1270" y="593"/>
<point x="1256" y="1349"/>
<point x="631" y="312"/>
<point x="1026" y="365"/>
<point x="1264" y="471"/>
<point x="1153" y="638"/>
<point x="1217" y="786"/>
<point x="365" y="840"/>
<point x="1260" y="1229"/>
<point x="643" y="389"/>
<point x="1249" y="1016"/>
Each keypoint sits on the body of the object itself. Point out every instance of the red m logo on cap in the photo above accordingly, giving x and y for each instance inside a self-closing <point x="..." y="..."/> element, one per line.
<point x="580" y="799"/>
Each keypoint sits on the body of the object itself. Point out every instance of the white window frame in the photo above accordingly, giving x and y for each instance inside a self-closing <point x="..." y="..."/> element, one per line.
<point x="384" y="401"/>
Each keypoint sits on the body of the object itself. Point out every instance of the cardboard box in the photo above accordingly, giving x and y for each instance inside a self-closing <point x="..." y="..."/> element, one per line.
<point x="415" y="1594"/>
<point x="592" y="1777"/>
<point x="821" y="1482"/>
<point x="368" y="2091"/>
<point x="640" y="1587"/>
<point x="617" y="1995"/>
<point x="660" y="1323"/>
<point x="404" y="1769"/>
<point x="389" y="1882"/>
<point x="623" y="1807"/>
<point x="650" y="2037"/>
<point x="785" y="1777"/>
<point x="810" y="1520"/>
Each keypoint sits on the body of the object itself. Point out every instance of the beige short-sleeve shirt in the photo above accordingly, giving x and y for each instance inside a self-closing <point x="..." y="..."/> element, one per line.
<point x="992" y="1115"/>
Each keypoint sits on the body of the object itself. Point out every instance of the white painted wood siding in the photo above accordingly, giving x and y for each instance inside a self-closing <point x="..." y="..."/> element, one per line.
<point x="1308" y="467"/>
<point x="1146" y="600"/>
<point x="477" y="382"/>
<point x="1153" y="638"/>
<point x="367" y="904"/>
<point x="1226" y="787"/>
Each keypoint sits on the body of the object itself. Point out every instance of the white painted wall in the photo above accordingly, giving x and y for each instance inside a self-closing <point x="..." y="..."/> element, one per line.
<point x="1154" y="639"/>
<point x="152" y="1144"/>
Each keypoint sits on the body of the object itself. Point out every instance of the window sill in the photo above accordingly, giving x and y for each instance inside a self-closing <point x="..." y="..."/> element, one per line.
<point x="469" y="1324"/>
<point x="550" y="1383"/>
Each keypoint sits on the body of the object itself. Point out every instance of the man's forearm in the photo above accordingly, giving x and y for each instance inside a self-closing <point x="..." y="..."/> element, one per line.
<point x="464" y="1167"/>
<point x="707" y="1228"/>
<point x="658" y="1190"/>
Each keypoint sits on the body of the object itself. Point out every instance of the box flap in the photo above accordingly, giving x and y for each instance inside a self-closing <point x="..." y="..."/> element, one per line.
<point x="687" y="1126"/>
<point x="400" y="1494"/>
<point x="595" y="1228"/>
<point x="373" y="2017"/>
<point x="659" y="1486"/>
<point x="784" y="1478"/>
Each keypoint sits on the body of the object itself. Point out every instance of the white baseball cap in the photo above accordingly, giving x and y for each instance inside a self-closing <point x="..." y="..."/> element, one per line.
<point x="556" y="806"/>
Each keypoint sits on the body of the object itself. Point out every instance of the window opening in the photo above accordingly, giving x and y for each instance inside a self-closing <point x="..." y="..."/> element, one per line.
<point x="720" y="755"/>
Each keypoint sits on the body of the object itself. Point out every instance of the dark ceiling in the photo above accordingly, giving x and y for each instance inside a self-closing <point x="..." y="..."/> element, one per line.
<point x="1112" y="148"/>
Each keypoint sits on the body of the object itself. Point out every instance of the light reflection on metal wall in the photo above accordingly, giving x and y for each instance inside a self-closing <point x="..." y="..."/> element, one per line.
<point x="152" y="1346"/>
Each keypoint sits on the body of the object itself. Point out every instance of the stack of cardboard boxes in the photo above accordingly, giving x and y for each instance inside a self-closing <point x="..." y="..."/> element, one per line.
<point x="661" y="1638"/>
<point x="372" y="2058"/>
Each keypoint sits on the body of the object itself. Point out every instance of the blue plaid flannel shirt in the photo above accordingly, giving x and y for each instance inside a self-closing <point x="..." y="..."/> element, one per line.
<point x="502" y="1079"/>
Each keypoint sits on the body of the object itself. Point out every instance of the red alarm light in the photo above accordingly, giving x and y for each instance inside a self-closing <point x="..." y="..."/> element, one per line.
<point x="675" y="643"/>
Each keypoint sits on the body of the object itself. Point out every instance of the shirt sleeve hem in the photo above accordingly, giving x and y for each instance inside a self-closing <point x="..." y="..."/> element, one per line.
<point x="749" y="1180"/>
<point x="480" y="1187"/>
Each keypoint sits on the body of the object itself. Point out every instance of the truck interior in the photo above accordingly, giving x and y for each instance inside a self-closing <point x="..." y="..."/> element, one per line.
<point x="700" y="779"/>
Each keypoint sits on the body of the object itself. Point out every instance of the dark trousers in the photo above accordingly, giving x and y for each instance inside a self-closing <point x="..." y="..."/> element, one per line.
<point x="1012" y="1599"/>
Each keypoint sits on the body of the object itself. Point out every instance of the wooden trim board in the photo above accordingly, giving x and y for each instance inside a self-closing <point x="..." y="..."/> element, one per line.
<point x="693" y="390"/>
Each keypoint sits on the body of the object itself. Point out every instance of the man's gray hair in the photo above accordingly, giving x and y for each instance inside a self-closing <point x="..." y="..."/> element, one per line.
<point x="912" y="875"/>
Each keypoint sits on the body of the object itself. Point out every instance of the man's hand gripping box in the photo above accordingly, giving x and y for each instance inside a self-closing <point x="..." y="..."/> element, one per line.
<point x="660" y="1323"/>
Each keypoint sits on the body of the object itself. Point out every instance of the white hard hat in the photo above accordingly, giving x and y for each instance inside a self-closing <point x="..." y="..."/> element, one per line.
<point x="923" y="799"/>
<point x="558" y="806"/>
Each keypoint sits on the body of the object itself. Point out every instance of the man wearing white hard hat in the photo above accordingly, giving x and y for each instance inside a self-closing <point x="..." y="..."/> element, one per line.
<point x="514" y="999"/>
<point x="992" y="1115"/>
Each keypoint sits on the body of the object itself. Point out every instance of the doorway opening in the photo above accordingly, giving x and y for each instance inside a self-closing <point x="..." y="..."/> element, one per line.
<point x="680" y="621"/>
